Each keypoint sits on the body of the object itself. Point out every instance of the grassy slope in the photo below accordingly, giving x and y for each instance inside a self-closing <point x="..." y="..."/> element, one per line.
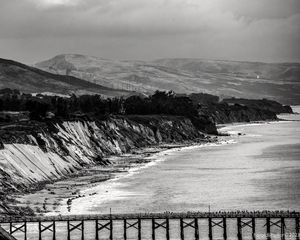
<point x="28" y="79"/>
<point x="278" y="81"/>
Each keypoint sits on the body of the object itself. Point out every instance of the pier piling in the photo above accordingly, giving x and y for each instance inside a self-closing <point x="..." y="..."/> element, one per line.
<point x="50" y="227"/>
<point x="224" y="229"/>
<point x="153" y="229"/>
<point x="196" y="229"/>
<point x="105" y="223"/>
<point x="210" y="233"/>
<point x="181" y="229"/>
<point x="282" y="228"/>
<point x="76" y="226"/>
<point x="125" y="229"/>
<point x="111" y="229"/>
<point x="253" y="229"/>
<point x="18" y="228"/>
<point x="268" y="224"/>
<point x="167" y="229"/>
<point x="239" y="228"/>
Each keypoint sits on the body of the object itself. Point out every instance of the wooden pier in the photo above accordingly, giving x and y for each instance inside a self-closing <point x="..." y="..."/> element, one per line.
<point x="75" y="224"/>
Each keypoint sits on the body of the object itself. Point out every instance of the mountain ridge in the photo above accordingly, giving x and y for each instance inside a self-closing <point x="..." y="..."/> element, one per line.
<point x="225" y="78"/>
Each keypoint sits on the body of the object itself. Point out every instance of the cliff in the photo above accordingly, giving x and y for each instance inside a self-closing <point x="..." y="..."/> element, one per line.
<point x="264" y="104"/>
<point x="225" y="113"/>
<point x="36" y="152"/>
<point x="237" y="109"/>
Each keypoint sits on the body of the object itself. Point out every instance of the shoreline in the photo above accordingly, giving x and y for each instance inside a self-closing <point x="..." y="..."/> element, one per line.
<point x="47" y="197"/>
<point x="110" y="184"/>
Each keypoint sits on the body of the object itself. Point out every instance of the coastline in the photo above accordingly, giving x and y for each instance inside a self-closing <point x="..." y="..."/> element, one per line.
<point x="114" y="191"/>
<point x="54" y="197"/>
<point x="48" y="197"/>
<point x="108" y="189"/>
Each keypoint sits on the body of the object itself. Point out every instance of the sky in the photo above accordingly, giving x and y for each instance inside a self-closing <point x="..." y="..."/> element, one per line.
<point x="250" y="30"/>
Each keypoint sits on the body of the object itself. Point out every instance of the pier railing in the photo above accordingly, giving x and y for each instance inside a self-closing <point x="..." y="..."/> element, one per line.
<point x="75" y="224"/>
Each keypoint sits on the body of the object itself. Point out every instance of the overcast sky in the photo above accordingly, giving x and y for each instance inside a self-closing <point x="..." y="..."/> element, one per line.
<point x="255" y="30"/>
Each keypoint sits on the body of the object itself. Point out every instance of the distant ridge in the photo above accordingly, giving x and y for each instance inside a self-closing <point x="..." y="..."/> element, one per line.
<point x="275" y="81"/>
<point x="29" y="79"/>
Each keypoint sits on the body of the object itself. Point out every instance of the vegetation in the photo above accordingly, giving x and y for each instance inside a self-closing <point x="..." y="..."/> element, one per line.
<point x="41" y="106"/>
<point x="159" y="103"/>
<point x="204" y="110"/>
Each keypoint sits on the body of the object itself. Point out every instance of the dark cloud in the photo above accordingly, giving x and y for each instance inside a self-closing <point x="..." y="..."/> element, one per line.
<point x="264" y="30"/>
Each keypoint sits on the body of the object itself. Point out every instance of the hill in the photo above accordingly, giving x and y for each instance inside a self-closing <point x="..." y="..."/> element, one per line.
<point x="28" y="79"/>
<point x="275" y="81"/>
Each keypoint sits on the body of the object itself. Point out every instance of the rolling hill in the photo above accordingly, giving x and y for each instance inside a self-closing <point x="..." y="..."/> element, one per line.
<point x="28" y="79"/>
<point x="276" y="81"/>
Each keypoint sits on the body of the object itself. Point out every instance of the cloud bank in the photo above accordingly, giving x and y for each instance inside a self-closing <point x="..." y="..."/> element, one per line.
<point x="256" y="30"/>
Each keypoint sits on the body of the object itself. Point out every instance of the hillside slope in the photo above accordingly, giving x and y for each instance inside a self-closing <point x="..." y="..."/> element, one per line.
<point x="28" y="79"/>
<point x="276" y="81"/>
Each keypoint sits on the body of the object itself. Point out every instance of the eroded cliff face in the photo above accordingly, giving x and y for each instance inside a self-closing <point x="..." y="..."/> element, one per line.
<point x="33" y="152"/>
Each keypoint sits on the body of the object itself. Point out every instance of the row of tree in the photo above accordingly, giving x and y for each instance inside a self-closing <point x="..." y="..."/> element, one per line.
<point x="39" y="106"/>
<point x="42" y="107"/>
